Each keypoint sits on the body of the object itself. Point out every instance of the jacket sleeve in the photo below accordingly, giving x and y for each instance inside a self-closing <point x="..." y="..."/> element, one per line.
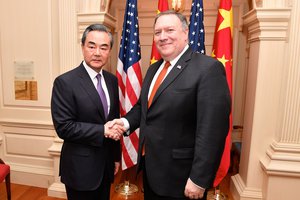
<point x="134" y="116"/>
<point x="213" y="110"/>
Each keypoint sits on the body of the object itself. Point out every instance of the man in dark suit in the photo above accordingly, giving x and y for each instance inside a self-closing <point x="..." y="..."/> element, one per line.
<point x="184" y="124"/>
<point x="89" y="159"/>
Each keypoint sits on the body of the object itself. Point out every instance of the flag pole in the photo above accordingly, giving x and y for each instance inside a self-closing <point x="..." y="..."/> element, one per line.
<point x="127" y="188"/>
<point x="218" y="195"/>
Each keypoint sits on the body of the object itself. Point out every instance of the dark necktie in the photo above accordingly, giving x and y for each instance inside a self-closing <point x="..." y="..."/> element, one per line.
<point x="102" y="95"/>
<point x="158" y="81"/>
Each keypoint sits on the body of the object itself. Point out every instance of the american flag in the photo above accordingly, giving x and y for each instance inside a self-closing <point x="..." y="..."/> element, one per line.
<point x="196" y="27"/>
<point x="129" y="78"/>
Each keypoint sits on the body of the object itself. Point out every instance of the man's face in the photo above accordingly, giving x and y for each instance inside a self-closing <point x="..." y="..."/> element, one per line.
<point x="96" y="49"/>
<point x="169" y="37"/>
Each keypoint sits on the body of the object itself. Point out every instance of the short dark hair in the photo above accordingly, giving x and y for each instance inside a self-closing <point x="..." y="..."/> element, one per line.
<point x="180" y="16"/>
<point x="97" y="27"/>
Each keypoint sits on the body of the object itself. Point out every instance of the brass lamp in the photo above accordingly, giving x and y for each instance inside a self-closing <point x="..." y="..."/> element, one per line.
<point x="178" y="5"/>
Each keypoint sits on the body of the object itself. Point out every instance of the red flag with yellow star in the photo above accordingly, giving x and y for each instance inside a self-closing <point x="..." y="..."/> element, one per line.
<point x="222" y="50"/>
<point x="162" y="6"/>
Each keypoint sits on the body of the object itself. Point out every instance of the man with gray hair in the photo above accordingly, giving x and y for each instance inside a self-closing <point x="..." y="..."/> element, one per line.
<point x="83" y="100"/>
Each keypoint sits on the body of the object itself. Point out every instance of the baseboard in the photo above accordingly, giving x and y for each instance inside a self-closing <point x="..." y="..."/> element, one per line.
<point x="31" y="179"/>
<point x="57" y="190"/>
<point x="241" y="192"/>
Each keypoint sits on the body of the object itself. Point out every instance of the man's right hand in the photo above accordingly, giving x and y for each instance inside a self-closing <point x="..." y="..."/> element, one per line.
<point x="114" y="129"/>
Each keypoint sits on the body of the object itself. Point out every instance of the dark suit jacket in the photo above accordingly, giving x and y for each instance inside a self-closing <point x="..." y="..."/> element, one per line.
<point x="79" y="120"/>
<point x="185" y="128"/>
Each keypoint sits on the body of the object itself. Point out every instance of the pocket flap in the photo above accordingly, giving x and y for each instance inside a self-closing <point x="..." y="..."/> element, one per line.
<point x="183" y="153"/>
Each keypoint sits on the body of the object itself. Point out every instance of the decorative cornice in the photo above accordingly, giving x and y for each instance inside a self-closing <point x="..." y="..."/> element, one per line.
<point x="267" y="24"/>
<point x="86" y="19"/>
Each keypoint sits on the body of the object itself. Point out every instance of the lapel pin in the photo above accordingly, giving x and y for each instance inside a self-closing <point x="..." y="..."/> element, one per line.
<point x="179" y="67"/>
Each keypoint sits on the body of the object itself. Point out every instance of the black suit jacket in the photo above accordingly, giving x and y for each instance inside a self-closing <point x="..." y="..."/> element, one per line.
<point x="79" y="120"/>
<point x="185" y="128"/>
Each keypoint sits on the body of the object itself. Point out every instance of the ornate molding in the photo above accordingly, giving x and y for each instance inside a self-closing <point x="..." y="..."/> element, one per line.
<point x="55" y="149"/>
<point x="47" y="125"/>
<point x="282" y="159"/>
<point x="267" y="24"/>
<point x="56" y="189"/>
<point x="31" y="169"/>
<point x="86" y="19"/>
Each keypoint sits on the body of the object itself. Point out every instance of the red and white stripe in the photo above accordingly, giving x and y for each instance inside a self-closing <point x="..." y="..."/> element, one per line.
<point x="130" y="84"/>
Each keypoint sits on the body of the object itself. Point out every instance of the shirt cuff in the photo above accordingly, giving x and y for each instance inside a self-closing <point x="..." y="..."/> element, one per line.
<point x="197" y="185"/>
<point x="126" y="125"/>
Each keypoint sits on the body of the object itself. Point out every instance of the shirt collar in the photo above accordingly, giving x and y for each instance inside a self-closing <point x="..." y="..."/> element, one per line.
<point x="174" y="61"/>
<point x="92" y="73"/>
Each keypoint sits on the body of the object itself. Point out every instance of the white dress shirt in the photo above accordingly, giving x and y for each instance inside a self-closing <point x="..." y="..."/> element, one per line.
<point x="93" y="77"/>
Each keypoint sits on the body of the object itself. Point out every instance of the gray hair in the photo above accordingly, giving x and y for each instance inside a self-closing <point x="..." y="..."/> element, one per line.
<point x="97" y="27"/>
<point x="180" y="16"/>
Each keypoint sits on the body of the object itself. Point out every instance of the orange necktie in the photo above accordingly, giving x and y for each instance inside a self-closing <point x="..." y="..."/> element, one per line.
<point x="158" y="81"/>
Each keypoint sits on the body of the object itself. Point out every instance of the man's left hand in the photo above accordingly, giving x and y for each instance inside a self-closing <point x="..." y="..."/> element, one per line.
<point x="193" y="191"/>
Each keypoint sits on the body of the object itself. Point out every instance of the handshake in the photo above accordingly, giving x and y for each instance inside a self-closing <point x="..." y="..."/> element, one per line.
<point x="114" y="129"/>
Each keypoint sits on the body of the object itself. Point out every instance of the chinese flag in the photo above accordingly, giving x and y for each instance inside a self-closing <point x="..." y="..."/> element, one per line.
<point x="222" y="50"/>
<point x="162" y="6"/>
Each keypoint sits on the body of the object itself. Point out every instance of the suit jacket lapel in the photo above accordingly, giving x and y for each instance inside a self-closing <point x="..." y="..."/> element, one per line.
<point x="147" y="82"/>
<point x="89" y="87"/>
<point x="176" y="70"/>
<point x="110" y="89"/>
